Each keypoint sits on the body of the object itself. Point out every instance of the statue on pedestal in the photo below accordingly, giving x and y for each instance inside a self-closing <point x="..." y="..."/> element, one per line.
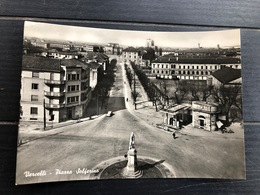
<point x="132" y="141"/>
<point x="131" y="170"/>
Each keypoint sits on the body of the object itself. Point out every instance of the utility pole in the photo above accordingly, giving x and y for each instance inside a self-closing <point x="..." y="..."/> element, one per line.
<point x="44" y="115"/>
<point x="97" y="103"/>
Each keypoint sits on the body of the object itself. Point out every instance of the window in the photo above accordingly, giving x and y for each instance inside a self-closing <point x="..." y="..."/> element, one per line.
<point x="35" y="74"/>
<point x="73" y="99"/>
<point x="162" y="65"/>
<point x="166" y="66"/>
<point x="192" y="67"/>
<point x="50" y="112"/>
<point x="183" y="67"/>
<point x="201" y="67"/>
<point x="34" y="98"/>
<point x="197" y="67"/>
<point x="72" y="77"/>
<point x="73" y="88"/>
<point x="21" y="110"/>
<point x="34" y="110"/>
<point x="35" y="86"/>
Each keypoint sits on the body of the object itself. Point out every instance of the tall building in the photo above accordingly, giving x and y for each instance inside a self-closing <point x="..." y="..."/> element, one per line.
<point x="149" y="43"/>
<point x="57" y="89"/>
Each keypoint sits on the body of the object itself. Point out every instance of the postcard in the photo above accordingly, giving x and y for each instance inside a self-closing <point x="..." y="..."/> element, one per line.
<point x="123" y="104"/>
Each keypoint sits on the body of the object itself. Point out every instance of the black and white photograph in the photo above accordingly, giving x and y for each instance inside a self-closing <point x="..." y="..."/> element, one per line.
<point x="101" y="104"/>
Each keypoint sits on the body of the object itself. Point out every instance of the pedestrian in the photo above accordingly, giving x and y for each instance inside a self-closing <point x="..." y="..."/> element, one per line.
<point x="127" y="99"/>
<point x="174" y="134"/>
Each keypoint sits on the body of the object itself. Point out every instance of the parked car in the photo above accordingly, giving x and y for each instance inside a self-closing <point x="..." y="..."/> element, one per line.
<point x="109" y="113"/>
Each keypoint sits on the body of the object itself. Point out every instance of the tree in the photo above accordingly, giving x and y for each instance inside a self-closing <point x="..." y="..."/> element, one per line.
<point x="149" y="54"/>
<point x="135" y="95"/>
<point x="181" y="91"/>
<point x="160" y="51"/>
<point x="164" y="89"/>
<point x="227" y="96"/>
<point x="200" y="92"/>
<point x="129" y="75"/>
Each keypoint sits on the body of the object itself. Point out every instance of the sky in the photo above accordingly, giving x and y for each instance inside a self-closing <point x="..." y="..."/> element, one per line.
<point x="225" y="38"/>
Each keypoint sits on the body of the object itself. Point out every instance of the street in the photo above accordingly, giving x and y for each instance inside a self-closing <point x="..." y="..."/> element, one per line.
<point x="85" y="144"/>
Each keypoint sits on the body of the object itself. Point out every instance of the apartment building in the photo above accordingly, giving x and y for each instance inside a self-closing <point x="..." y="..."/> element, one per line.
<point x="112" y="49"/>
<point x="131" y="54"/>
<point x="54" y="89"/>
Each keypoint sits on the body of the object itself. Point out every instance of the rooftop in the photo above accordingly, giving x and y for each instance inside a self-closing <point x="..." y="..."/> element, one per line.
<point x="130" y="49"/>
<point x="94" y="65"/>
<point x="73" y="63"/>
<point x="49" y="64"/>
<point x="167" y="59"/>
<point x="40" y="64"/>
<point x="226" y="75"/>
<point x="177" y="108"/>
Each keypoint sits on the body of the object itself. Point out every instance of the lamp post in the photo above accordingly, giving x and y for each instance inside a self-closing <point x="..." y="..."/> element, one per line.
<point x="44" y="115"/>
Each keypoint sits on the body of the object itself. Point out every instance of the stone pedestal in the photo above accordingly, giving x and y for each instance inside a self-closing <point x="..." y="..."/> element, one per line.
<point x="131" y="170"/>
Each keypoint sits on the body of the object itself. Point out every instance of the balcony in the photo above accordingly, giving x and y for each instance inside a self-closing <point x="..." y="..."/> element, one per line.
<point x="86" y="90"/>
<point x="54" y="94"/>
<point x="53" y="82"/>
<point x="53" y="105"/>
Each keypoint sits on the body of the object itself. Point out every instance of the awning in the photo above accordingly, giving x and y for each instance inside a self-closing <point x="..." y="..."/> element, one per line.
<point x="219" y="124"/>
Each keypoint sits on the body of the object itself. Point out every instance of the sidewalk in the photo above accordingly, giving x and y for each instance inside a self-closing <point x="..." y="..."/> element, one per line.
<point x="146" y="111"/>
<point x="29" y="131"/>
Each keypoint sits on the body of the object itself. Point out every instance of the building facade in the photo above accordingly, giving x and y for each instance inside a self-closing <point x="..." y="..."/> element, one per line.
<point x="169" y="67"/>
<point x="131" y="54"/>
<point x="204" y="115"/>
<point x="53" y="89"/>
<point x="112" y="48"/>
<point x="177" y="116"/>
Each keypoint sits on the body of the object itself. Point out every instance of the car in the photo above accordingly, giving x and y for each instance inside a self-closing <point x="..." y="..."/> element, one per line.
<point x="109" y="113"/>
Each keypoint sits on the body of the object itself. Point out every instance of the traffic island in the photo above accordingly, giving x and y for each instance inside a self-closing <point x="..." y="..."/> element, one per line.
<point x="149" y="167"/>
<point x="131" y="167"/>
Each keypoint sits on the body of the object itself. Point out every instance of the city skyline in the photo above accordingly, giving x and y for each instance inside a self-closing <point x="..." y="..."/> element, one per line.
<point x="206" y="39"/>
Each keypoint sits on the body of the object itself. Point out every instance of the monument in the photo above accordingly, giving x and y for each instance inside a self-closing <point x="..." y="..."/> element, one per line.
<point x="131" y="170"/>
<point x="121" y="168"/>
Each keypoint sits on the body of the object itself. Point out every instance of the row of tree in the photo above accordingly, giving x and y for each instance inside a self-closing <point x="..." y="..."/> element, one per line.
<point x="105" y="81"/>
<point x="228" y="97"/>
<point x="168" y="93"/>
